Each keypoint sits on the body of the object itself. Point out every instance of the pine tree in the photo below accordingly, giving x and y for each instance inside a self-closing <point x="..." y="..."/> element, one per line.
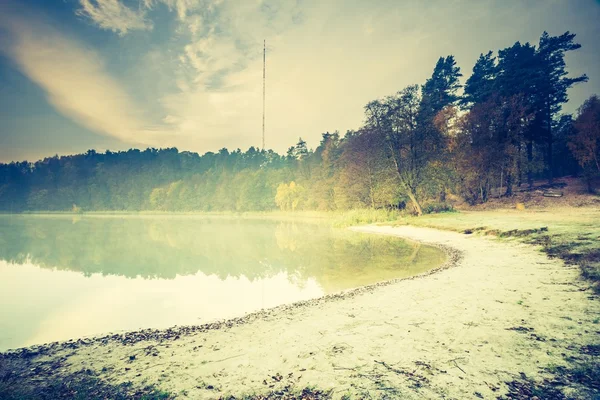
<point x="441" y="89"/>
<point x="481" y="84"/>
<point x="554" y="84"/>
<point x="438" y="92"/>
<point x="519" y="76"/>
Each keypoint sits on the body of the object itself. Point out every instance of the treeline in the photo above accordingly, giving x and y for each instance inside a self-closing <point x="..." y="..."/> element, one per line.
<point x="501" y="130"/>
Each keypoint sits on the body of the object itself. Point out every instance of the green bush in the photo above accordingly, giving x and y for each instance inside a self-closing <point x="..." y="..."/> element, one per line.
<point x="434" y="208"/>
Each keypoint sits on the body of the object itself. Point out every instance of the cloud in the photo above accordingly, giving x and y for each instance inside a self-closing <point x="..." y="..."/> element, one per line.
<point x="185" y="7"/>
<point x="114" y="16"/>
<point x="219" y="102"/>
<point x="74" y="79"/>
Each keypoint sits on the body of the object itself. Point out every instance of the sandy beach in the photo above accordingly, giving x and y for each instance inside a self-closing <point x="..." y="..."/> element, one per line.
<point x="497" y="310"/>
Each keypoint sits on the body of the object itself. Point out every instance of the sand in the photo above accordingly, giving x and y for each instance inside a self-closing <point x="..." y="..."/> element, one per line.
<point x="500" y="309"/>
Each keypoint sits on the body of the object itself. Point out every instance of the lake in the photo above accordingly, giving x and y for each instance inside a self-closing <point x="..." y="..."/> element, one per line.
<point x="64" y="277"/>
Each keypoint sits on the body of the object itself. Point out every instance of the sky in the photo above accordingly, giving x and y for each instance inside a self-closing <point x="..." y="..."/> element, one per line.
<point x="119" y="74"/>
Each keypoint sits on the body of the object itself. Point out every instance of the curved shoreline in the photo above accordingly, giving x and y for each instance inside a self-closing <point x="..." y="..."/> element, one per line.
<point x="463" y="332"/>
<point x="173" y="333"/>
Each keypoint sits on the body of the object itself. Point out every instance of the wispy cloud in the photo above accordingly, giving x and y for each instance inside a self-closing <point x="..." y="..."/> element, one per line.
<point x="114" y="16"/>
<point x="74" y="79"/>
<point x="184" y="7"/>
<point x="219" y="99"/>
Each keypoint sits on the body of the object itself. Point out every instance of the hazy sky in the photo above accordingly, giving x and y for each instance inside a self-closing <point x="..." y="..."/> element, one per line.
<point x="116" y="74"/>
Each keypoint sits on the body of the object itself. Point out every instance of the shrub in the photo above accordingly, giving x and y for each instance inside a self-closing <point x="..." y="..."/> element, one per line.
<point x="434" y="208"/>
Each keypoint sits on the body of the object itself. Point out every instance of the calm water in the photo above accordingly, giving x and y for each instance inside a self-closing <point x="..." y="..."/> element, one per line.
<point x="64" y="277"/>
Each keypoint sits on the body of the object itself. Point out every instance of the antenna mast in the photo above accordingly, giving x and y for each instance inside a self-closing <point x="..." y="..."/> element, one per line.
<point x="264" y="79"/>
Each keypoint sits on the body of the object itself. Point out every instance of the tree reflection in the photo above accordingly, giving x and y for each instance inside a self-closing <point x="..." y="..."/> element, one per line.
<point x="163" y="247"/>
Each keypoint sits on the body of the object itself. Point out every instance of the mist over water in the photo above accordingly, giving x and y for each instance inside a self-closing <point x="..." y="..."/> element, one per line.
<point x="65" y="277"/>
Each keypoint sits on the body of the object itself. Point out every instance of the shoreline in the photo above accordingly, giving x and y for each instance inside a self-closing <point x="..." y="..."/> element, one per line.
<point x="458" y="332"/>
<point x="453" y="257"/>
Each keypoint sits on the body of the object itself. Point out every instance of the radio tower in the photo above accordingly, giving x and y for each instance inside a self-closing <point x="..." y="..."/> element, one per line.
<point x="264" y="79"/>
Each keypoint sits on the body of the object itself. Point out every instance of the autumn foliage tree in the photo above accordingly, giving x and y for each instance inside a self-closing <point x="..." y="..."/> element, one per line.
<point x="395" y="118"/>
<point x="289" y="196"/>
<point x="365" y="177"/>
<point x="585" y="143"/>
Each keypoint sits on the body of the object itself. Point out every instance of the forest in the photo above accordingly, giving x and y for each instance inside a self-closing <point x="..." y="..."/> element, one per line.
<point x="500" y="130"/>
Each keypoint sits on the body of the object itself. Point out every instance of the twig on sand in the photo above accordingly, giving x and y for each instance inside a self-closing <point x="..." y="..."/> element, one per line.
<point x="153" y="366"/>
<point x="336" y="367"/>
<point x="225" y="359"/>
<point x="398" y="371"/>
<point x="458" y="366"/>
<point x="392" y="324"/>
<point x="417" y="380"/>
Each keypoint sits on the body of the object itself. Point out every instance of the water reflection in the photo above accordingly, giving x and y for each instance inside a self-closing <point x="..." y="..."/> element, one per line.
<point x="40" y="305"/>
<point x="63" y="278"/>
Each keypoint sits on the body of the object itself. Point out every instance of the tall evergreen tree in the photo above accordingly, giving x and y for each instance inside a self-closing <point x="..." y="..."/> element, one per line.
<point x="480" y="86"/>
<point x="553" y="85"/>
<point x="441" y="89"/>
<point x="438" y="92"/>
<point x="519" y="76"/>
